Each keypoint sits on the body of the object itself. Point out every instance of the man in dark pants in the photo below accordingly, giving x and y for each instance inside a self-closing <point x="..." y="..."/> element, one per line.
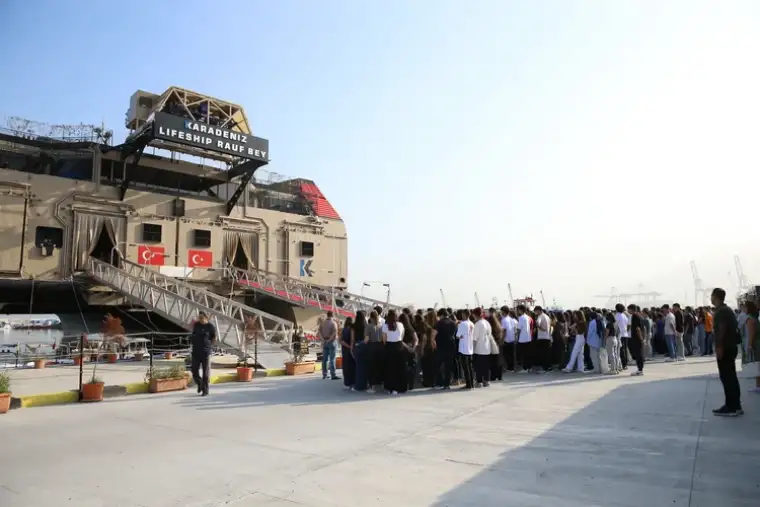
<point x="445" y="348"/>
<point x="203" y="338"/>
<point x="636" y="341"/>
<point x="727" y="340"/>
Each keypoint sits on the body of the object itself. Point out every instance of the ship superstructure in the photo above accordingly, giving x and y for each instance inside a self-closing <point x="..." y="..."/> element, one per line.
<point x="176" y="218"/>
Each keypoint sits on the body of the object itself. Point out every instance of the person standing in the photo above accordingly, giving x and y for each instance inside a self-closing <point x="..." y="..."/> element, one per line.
<point x="612" y="345"/>
<point x="670" y="333"/>
<point x="395" y="354"/>
<point x="524" y="340"/>
<point x="576" y="357"/>
<point x="359" y="342"/>
<point x="689" y="332"/>
<point x="543" y="345"/>
<point x="709" y="338"/>
<point x="203" y="339"/>
<point x="680" y="349"/>
<point x="621" y="319"/>
<point x="481" y="339"/>
<point x="445" y="348"/>
<point x="636" y="343"/>
<point x="727" y="341"/>
<point x="464" y="335"/>
<point x="509" y="325"/>
<point x="328" y="332"/>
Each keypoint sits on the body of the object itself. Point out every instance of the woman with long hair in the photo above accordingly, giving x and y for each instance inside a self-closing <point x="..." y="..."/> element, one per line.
<point x="359" y="342"/>
<point x="374" y="351"/>
<point x="347" y="354"/>
<point x="410" y="342"/>
<point x="576" y="357"/>
<point x="395" y="356"/>
<point x="496" y="359"/>
<point x="428" y="350"/>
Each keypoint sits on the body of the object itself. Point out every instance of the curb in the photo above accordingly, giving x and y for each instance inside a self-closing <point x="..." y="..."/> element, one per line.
<point x="114" y="391"/>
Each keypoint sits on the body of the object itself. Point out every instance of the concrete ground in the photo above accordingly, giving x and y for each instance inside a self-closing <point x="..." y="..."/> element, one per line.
<point x="530" y="441"/>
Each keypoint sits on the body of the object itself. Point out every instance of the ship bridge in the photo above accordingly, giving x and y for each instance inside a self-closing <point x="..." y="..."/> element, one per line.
<point x="180" y="218"/>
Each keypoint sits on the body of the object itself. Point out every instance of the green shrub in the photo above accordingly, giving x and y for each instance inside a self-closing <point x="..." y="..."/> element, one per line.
<point x="5" y="382"/>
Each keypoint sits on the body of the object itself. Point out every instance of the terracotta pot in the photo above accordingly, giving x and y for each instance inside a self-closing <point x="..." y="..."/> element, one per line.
<point x="302" y="368"/>
<point x="78" y="360"/>
<point x="245" y="374"/>
<point x="138" y="356"/>
<point x="93" y="392"/>
<point x="5" y="402"/>
<point x="168" y="355"/>
<point x="339" y="362"/>
<point x="167" y="384"/>
<point x="113" y="357"/>
<point x="39" y="364"/>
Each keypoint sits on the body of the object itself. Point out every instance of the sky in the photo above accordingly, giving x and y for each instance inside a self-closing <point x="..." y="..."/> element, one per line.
<point x="558" y="146"/>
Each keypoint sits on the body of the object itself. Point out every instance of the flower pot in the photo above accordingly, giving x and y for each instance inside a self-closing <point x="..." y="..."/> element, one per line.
<point x="302" y="368"/>
<point x="339" y="362"/>
<point x="92" y="392"/>
<point x="113" y="357"/>
<point x="245" y="374"/>
<point x="39" y="364"/>
<point x="78" y="360"/>
<point x="138" y="356"/>
<point x="168" y="355"/>
<point x="164" y="385"/>
<point x="5" y="402"/>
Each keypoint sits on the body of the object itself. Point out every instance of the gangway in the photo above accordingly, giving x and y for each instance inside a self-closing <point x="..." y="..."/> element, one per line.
<point x="180" y="302"/>
<point x="300" y="293"/>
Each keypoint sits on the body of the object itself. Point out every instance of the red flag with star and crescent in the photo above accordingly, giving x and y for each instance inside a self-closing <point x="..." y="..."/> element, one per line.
<point x="150" y="255"/>
<point x="199" y="259"/>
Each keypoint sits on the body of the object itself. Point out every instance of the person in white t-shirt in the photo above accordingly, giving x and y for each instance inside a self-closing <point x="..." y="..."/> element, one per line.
<point x="464" y="335"/>
<point x="524" y="337"/>
<point x="481" y="337"/>
<point x="509" y="326"/>
<point x="543" y="345"/>
<point x="395" y="354"/>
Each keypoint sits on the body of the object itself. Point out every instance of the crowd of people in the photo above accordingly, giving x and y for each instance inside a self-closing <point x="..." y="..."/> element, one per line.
<point x="401" y="351"/>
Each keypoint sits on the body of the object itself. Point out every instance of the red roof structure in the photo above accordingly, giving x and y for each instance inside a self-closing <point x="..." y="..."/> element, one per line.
<point x="322" y="207"/>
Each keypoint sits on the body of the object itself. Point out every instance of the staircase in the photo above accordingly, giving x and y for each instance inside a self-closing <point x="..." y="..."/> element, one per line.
<point x="300" y="293"/>
<point x="180" y="302"/>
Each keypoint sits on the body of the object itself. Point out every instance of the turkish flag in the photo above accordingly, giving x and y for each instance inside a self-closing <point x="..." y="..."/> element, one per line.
<point x="199" y="259"/>
<point x="150" y="255"/>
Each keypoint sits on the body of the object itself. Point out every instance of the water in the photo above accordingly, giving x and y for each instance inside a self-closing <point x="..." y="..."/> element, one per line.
<point x="72" y="324"/>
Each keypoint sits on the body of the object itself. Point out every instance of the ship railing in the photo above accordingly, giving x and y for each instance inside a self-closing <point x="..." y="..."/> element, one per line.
<point x="303" y="293"/>
<point x="181" y="302"/>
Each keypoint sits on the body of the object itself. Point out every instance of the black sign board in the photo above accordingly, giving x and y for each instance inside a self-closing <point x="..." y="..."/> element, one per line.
<point x="192" y="133"/>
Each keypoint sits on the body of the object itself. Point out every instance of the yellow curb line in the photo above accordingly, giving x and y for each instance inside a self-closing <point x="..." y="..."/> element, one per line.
<point x="48" y="399"/>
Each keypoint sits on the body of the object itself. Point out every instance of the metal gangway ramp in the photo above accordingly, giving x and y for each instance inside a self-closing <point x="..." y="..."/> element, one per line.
<point x="180" y="302"/>
<point x="300" y="293"/>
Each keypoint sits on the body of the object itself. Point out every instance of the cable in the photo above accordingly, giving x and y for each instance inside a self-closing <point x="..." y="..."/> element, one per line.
<point x="76" y="298"/>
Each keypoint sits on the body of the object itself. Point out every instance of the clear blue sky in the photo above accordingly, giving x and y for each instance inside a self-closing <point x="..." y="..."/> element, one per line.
<point x="560" y="145"/>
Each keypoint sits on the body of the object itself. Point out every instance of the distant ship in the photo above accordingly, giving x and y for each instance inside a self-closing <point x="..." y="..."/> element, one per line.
<point x="21" y="321"/>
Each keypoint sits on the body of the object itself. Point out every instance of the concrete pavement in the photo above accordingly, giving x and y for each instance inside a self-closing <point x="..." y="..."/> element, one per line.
<point x="569" y="440"/>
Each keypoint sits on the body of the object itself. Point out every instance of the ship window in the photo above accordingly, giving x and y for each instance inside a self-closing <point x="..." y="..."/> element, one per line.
<point x="202" y="238"/>
<point x="151" y="233"/>
<point x="307" y="249"/>
<point x="48" y="235"/>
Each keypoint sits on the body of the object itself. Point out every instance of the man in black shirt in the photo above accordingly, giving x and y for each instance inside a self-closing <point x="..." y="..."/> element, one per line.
<point x="446" y="347"/>
<point x="689" y="326"/>
<point x="727" y="339"/>
<point x="636" y="342"/>
<point x="680" y="350"/>
<point x="203" y="338"/>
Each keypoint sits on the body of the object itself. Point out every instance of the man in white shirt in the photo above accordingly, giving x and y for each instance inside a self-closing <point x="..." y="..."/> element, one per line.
<point x="670" y="333"/>
<point x="524" y="345"/>
<point x="509" y="326"/>
<point x="623" y="324"/>
<point x="481" y="337"/>
<point x="543" y="345"/>
<point x="464" y="335"/>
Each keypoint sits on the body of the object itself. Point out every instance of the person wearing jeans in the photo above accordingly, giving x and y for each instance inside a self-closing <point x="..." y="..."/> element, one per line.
<point x="328" y="331"/>
<point x="670" y="332"/>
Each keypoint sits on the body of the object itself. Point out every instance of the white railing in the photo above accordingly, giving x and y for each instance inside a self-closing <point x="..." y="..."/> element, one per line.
<point x="300" y="293"/>
<point x="180" y="303"/>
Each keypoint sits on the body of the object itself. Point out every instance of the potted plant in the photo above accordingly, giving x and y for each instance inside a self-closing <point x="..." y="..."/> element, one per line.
<point x="92" y="390"/>
<point x="5" y="392"/>
<point x="168" y="354"/>
<point x="113" y="337"/>
<point x="169" y="378"/>
<point x="297" y="365"/>
<point x="251" y="334"/>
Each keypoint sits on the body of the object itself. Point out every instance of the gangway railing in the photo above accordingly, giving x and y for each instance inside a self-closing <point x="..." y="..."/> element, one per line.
<point x="300" y="293"/>
<point x="180" y="303"/>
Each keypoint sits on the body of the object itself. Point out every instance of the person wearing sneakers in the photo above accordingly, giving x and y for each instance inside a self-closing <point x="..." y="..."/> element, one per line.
<point x="636" y="343"/>
<point x="670" y="333"/>
<point x="328" y="331"/>
<point x="624" y="334"/>
<point x="727" y="342"/>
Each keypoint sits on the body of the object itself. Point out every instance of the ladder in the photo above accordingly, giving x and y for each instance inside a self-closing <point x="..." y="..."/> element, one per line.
<point x="180" y="302"/>
<point x="298" y="292"/>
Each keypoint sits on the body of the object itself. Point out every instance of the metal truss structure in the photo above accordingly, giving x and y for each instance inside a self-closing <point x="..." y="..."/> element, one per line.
<point x="180" y="303"/>
<point x="297" y="292"/>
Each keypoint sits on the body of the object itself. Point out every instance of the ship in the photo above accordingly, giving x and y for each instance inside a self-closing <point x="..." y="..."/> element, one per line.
<point x="177" y="219"/>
